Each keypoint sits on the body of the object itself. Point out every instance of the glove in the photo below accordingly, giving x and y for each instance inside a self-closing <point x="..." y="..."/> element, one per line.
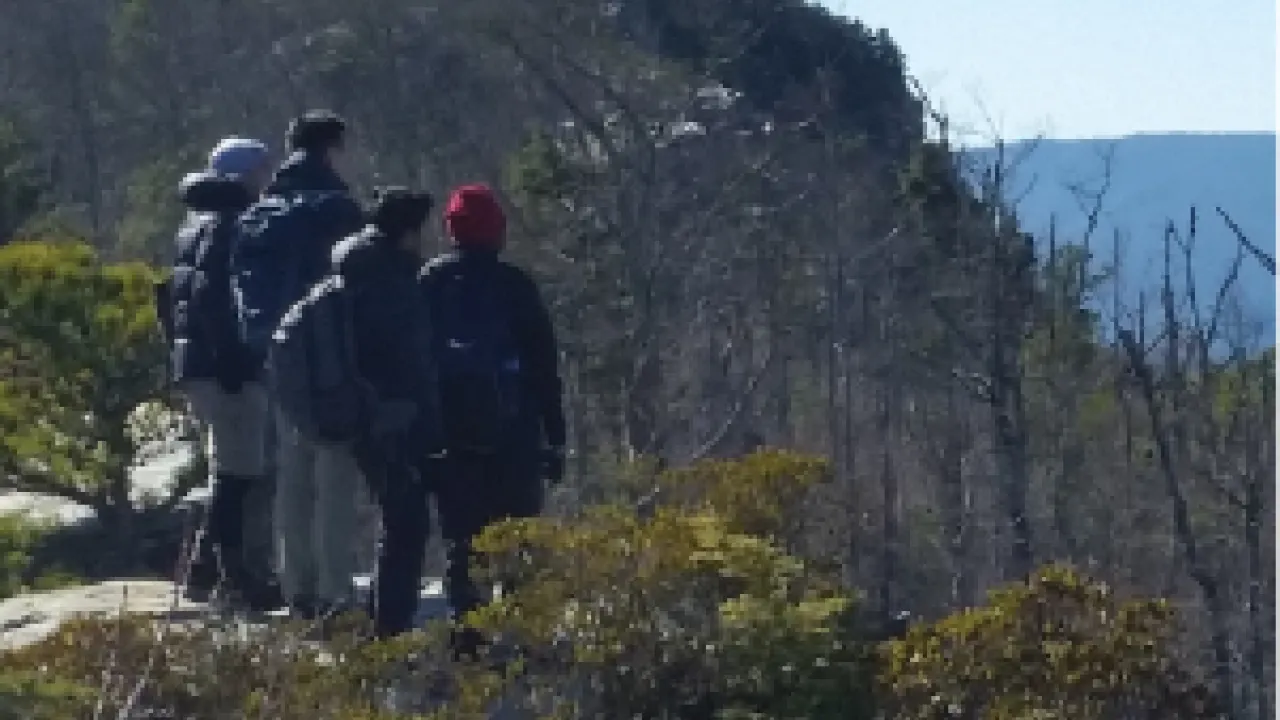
<point x="553" y="464"/>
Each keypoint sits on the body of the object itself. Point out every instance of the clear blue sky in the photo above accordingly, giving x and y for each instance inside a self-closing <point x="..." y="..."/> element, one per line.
<point x="1088" y="68"/>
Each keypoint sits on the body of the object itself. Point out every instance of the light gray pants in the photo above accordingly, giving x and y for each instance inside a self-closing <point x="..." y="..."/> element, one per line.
<point x="320" y="517"/>
<point x="237" y="428"/>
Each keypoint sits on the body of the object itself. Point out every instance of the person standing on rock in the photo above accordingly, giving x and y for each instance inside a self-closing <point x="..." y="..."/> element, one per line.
<point x="282" y="252"/>
<point x="392" y="352"/>
<point x="497" y="362"/>
<point x="350" y="369"/>
<point x="215" y="372"/>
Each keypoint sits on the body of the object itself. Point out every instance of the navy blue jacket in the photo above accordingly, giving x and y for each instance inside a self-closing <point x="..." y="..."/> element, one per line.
<point x="303" y="173"/>
<point x="206" y="343"/>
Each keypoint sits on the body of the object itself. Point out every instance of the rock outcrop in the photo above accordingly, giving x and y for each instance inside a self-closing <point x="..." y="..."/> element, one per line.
<point x="30" y="618"/>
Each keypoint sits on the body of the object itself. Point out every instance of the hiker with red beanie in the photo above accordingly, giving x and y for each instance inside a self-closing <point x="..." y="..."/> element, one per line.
<point x="499" y="385"/>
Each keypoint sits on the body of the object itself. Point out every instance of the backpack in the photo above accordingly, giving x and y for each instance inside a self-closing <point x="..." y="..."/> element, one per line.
<point x="477" y="361"/>
<point x="271" y="263"/>
<point x="311" y="366"/>
<point x="183" y="302"/>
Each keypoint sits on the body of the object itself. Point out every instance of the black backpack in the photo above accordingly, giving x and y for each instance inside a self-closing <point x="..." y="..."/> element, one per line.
<point x="270" y="263"/>
<point x="311" y="366"/>
<point x="477" y="359"/>
<point x="183" y="302"/>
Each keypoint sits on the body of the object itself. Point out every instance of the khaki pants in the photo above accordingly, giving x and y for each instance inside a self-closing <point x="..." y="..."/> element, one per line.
<point x="236" y="426"/>
<point x="320" y="496"/>
<point x="236" y="438"/>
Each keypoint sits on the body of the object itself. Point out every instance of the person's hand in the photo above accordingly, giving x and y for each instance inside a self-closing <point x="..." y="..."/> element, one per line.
<point x="553" y="464"/>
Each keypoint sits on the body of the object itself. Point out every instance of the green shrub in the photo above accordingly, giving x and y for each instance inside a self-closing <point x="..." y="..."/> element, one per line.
<point x="194" y="671"/>
<point x="1058" y="647"/>
<point x="685" y="613"/>
<point x="79" y="352"/>
<point x="695" y="611"/>
<point x="31" y="695"/>
<point x="19" y="537"/>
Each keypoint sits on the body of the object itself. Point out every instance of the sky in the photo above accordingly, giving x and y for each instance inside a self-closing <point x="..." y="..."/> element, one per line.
<point x="1087" y="68"/>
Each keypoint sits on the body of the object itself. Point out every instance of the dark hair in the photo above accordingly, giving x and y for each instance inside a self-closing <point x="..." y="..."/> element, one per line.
<point x="397" y="211"/>
<point x="316" y="131"/>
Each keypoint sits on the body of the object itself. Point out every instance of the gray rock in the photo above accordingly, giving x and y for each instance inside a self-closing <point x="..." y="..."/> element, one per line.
<point x="32" y="617"/>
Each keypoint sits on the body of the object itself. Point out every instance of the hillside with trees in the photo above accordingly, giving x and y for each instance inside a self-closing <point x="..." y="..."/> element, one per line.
<point x="821" y="350"/>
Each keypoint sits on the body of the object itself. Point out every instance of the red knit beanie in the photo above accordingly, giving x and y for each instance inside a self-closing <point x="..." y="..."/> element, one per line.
<point x="474" y="218"/>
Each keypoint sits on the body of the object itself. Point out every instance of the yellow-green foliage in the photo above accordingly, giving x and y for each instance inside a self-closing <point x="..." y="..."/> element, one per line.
<point x="1243" y="390"/>
<point x="79" y="350"/>
<point x="684" y="609"/>
<point x="188" y="671"/>
<point x="30" y="695"/>
<point x="761" y="494"/>
<point x="1059" y="647"/>
<point x="681" y="614"/>
<point x="19" y="536"/>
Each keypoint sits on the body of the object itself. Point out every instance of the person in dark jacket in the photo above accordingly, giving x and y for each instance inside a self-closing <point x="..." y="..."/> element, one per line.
<point x="393" y="355"/>
<point x="214" y="371"/>
<point x="477" y="487"/>
<point x="317" y="492"/>
<point x="316" y="142"/>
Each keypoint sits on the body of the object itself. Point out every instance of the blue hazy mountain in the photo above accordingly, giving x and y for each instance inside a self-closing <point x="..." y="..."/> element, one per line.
<point x="1156" y="179"/>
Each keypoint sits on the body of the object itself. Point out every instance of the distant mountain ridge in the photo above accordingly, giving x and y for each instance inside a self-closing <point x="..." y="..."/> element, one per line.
<point x="1155" y="179"/>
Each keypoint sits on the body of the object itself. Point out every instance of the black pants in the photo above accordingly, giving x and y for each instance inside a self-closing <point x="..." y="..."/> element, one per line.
<point x="220" y="555"/>
<point x="402" y="498"/>
<point x="473" y="491"/>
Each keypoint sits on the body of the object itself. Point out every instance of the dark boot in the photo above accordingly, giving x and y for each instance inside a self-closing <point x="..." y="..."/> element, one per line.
<point x="202" y="576"/>
<point x="226" y="529"/>
<point x="305" y="608"/>
<point x="260" y="595"/>
<point x="460" y="589"/>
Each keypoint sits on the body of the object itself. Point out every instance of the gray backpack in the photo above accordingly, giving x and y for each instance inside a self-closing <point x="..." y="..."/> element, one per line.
<point x="311" y="365"/>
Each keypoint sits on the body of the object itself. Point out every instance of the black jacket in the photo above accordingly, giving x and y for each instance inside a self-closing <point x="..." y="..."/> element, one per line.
<point x="206" y="340"/>
<point x="534" y="334"/>
<point x="392" y="332"/>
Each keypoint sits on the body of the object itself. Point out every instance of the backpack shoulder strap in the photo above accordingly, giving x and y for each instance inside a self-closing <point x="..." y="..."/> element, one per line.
<point x="335" y="339"/>
<point x="188" y="241"/>
<point x="347" y="301"/>
<point x="212" y="230"/>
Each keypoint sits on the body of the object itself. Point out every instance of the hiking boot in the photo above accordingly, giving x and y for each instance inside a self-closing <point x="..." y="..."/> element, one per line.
<point x="198" y="594"/>
<point x="201" y="585"/>
<point x="260" y="596"/>
<point x="304" y="608"/>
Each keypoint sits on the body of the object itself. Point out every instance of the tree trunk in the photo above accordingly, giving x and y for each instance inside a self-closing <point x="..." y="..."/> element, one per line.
<point x="889" y="540"/>
<point x="950" y="468"/>
<point x="1260" y="629"/>
<point x="1011" y="441"/>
